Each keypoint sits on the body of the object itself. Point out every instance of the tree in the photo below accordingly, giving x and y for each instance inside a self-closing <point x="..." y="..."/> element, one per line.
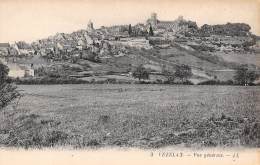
<point x="244" y="75"/>
<point x="130" y="31"/>
<point x="151" y="31"/>
<point x="168" y="74"/>
<point x="8" y="92"/>
<point x="3" y="73"/>
<point x="141" y="73"/>
<point x="183" y="72"/>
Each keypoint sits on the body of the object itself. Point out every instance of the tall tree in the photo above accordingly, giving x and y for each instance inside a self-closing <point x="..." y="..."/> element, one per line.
<point x="151" y="31"/>
<point x="244" y="75"/>
<point x="130" y="31"/>
<point x="141" y="73"/>
<point x="8" y="92"/>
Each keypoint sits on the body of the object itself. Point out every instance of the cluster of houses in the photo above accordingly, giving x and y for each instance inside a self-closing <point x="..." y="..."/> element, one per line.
<point x="18" y="70"/>
<point x="91" y="38"/>
<point x="23" y="67"/>
<point x="106" y="42"/>
<point x="18" y="48"/>
<point x="4" y="48"/>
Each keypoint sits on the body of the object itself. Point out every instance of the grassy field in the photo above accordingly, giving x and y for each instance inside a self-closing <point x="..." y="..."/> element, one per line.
<point x="146" y="116"/>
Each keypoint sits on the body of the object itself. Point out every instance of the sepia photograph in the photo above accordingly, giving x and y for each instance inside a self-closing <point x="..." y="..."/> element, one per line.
<point x="158" y="80"/>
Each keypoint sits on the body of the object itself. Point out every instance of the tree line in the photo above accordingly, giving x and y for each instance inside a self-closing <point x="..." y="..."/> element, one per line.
<point x="182" y="72"/>
<point x="244" y="75"/>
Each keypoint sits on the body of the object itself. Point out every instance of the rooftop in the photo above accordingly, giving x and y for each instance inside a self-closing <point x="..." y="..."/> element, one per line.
<point x="4" y="45"/>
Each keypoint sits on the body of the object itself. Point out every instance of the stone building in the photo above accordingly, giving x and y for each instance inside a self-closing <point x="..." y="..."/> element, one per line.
<point x="175" y="25"/>
<point x="4" y="48"/>
<point x="90" y="27"/>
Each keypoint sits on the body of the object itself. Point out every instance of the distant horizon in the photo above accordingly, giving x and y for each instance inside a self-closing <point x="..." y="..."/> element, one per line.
<point x="33" y="20"/>
<point x="12" y="42"/>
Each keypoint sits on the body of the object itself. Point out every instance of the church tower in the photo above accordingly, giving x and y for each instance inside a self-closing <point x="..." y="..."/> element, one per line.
<point x="153" y="19"/>
<point x="90" y="26"/>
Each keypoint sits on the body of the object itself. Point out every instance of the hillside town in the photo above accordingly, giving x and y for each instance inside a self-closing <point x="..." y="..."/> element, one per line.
<point x="156" y="44"/>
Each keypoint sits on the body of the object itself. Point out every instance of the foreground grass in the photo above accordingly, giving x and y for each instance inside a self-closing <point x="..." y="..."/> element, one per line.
<point x="145" y="116"/>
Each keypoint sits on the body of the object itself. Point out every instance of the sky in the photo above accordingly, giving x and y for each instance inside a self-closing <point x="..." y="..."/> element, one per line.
<point x="29" y="20"/>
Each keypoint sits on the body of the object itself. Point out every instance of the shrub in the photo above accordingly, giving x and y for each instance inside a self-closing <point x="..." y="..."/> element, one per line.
<point x="50" y="80"/>
<point x="216" y="82"/>
<point x="183" y="72"/>
<point x="141" y="73"/>
<point x="169" y="75"/>
<point x="111" y="80"/>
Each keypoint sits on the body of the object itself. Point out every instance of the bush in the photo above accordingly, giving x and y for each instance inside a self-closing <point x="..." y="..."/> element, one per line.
<point x="141" y="73"/>
<point x="183" y="72"/>
<point x="169" y="75"/>
<point x="50" y="80"/>
<point x="216" y="82"/>
<point x="111" y="80"/>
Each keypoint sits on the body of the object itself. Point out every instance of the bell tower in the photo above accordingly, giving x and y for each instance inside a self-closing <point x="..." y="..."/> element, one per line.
<point x="90" y="26"/>
<point x="153" y="19"/>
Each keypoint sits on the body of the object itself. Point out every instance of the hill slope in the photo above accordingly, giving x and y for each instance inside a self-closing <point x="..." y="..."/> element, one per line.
<point x="211" y="51"/>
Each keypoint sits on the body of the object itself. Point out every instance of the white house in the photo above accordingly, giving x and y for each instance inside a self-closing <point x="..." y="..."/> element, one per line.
<point x="29" y="72"/>
<point x="22" y="69"/>
<point x="15" y="71"/>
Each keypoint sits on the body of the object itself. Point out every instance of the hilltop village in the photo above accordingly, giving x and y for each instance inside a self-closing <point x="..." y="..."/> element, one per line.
<point x="111" y="53"/>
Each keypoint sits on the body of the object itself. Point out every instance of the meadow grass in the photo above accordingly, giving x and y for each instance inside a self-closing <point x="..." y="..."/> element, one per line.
<point x="146" y="116"/>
